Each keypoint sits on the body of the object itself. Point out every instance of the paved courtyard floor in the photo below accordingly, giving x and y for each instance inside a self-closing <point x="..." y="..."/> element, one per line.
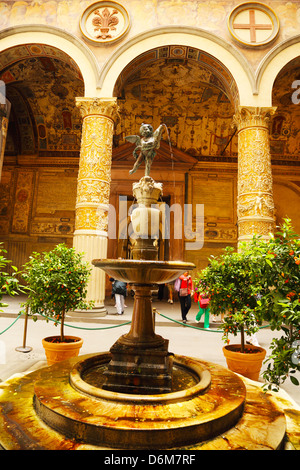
<point x="99" y="334"/>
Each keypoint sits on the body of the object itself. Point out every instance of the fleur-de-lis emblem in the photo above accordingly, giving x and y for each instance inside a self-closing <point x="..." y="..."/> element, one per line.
<point x="105" y="22"/>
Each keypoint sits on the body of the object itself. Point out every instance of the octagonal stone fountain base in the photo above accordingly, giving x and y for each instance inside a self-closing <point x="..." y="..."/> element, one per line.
<point x="60" y="408"/>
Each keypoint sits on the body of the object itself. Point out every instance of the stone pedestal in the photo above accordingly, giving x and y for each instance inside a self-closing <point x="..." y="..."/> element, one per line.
<point x="145" y="219"/>
<point x="139" y="371"/>
<point x="140" y="361"/>
<point x="93" y="189"/>
<point x="255" y="186"/>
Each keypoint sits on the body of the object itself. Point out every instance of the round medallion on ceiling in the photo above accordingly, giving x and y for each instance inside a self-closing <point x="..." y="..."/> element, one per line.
<point x="104" y="22"/>
<point x="253" y="24"/>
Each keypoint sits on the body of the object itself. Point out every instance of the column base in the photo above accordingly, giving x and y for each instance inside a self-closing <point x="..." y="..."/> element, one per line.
<point x="92" y="246"/>
<point x="94" y="313"/>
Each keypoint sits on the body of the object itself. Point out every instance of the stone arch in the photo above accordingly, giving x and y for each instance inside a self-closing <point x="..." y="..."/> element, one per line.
<point x="61" y="40"/>
<point x="286" y="195"/>
<point x="199" y="39"/>
<point x="271" y="65"/>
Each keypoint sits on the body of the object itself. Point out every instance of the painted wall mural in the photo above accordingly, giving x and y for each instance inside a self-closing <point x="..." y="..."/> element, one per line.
<point x="42" y="83"/>
<point x="191" y="92"/>
<point x="285" y="126"/>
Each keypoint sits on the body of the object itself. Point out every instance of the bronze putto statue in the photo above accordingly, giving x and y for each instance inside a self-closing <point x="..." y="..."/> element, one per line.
<point x="146" y="145"/>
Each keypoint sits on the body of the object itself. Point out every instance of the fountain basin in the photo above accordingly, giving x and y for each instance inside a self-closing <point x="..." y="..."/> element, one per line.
<point x="200" y="378"/>
<point x="75" y="415"/>
<point x="127" y="421"/>
<point x="143" y="271"/>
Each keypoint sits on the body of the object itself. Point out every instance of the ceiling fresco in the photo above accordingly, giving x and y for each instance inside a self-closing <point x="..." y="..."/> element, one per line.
<point x="41" y="84"/>
<point x="196" y="97"/>
<point x="187" y="89"/>
<point x="285" y="126"/>
<point x="184" y="88"/>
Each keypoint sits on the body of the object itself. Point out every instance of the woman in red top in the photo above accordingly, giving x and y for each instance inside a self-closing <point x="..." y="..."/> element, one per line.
<point x="185" y="291"/>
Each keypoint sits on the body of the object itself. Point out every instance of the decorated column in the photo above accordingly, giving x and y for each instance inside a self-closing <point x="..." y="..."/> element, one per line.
<point x="93" y="188"/>
<point x="3" y="134"/>
<point x="4" y="119"/>
<point x="255" y="185"/>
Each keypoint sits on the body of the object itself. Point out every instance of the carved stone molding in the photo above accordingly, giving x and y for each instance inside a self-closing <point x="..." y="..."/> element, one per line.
<point x="253" y="117"/>
<point x="98" y="106"/>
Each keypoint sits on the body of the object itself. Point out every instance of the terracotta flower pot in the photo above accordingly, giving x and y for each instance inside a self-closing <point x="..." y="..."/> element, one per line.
<point x="247" y="364"/>
<point x="56" y="351"/>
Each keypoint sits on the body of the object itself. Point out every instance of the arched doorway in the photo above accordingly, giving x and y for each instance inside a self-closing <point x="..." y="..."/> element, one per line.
<point x="195" y="95"/>
<point x="39" y="178"/>
<point x="284" y="138"/>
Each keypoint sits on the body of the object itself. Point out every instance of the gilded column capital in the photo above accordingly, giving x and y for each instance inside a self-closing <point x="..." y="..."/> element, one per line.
<point x="107" y="107"/>
<point x="250" y="116"/>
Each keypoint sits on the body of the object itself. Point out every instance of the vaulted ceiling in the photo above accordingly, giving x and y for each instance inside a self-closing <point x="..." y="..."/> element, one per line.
<point x="41" y="84"/>
<point x="185" y="88"/>
<point x="188" y="90"/>
<point x="285" y="126"/>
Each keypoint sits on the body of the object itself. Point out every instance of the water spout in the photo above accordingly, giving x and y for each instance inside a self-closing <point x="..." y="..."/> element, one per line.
<point x="171" y="151"/>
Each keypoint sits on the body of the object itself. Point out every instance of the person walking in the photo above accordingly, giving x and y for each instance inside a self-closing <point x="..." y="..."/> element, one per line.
<point x="170" y="292"/>
<point x="203" y="302"/>
<point x="119" y="290"/>
<point x="161" y="289"/>
<point x="184" y="293"/>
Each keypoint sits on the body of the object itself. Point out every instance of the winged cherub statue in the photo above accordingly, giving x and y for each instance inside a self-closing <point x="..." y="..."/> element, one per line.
<point x="146" y="145"/>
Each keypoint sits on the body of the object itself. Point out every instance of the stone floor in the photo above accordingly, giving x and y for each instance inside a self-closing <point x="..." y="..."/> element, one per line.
<point x="100" y="333"/>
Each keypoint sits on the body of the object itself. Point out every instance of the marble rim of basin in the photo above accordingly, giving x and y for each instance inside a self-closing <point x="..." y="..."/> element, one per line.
<point x="143" y="271"/>
<point x="139" y="425"/>
<point x="187" y="363"/>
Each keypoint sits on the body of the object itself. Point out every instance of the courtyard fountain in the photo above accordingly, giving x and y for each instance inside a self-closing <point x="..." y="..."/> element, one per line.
<point x="138" y="395"/>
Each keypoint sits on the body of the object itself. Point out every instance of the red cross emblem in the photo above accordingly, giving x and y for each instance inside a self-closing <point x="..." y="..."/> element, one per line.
<point x="252" y="26"/>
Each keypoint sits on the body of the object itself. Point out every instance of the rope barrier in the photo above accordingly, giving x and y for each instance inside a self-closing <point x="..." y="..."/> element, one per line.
<point x="83" y="328"/>
<point x="24" y="348"/>
<point x="11" y="324"/>
<point x="123" y="324"/>
<point x="197" y="327"/>
<point x="190" y="326"/>
<point x="71" y="326"/>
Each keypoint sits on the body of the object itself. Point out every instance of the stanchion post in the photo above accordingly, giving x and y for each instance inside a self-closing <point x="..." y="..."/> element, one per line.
<point x="24" y="348"/>
<point x="153" y="316"/>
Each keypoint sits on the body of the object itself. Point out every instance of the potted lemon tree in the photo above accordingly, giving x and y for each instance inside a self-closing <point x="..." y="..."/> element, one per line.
<point x="260" y="283"/>
<point x="57" y="283"/>
<point x="9" y="284"/>
<point x="233" y="284"/>
<point x="281" y="305"/>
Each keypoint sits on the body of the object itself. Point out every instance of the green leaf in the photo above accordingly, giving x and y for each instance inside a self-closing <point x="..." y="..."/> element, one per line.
<point x="294" y="380"/>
